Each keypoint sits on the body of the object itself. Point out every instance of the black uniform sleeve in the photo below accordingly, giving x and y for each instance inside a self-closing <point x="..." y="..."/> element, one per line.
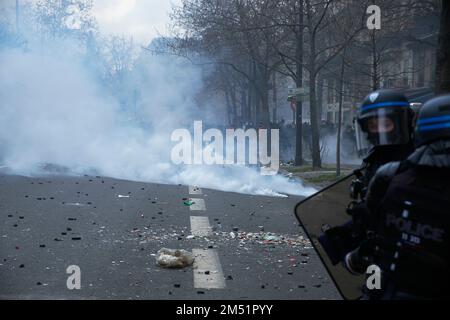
<point x="357" y="261"/>
<point x="379" y="185"/>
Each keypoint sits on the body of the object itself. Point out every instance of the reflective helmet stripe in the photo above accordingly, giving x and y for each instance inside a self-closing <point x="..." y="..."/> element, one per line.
<point x="431" y="127"/>
<point x="385" y="104"/>
<point x="434" y="119"/>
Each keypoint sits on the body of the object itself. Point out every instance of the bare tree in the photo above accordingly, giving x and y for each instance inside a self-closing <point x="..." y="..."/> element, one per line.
<point x="443" y="55"/>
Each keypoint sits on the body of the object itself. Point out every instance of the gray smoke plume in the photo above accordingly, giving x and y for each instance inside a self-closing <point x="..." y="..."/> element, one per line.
<point x="55" y="109"/>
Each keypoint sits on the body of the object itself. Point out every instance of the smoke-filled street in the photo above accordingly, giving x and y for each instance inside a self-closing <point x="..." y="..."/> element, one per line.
<point x="203" y="151"/>
<point x="112" y="230"/>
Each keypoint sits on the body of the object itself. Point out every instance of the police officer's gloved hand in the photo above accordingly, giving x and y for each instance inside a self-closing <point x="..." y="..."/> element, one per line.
<point x="358" y="260"/>
<point x="337" y="241"/>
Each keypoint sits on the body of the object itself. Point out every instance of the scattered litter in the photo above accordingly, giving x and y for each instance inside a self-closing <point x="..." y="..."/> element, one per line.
<point x="267" y="238"/>
<point x="170" y="258"/>
<point x="271" y="238"/>
<point x="163" y="236"/>
<point x="188" y="203"/>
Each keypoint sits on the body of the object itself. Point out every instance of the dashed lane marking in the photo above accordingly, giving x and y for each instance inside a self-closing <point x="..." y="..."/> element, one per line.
<point x="198" y="205"/>
<point x="200" y="226"/>
<point x="208" y="272"/>
<point x="194" y="190"/>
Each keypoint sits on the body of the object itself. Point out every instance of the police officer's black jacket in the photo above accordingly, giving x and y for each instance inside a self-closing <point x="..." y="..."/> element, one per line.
<point x="409" y="206"/>
<point x="382" y="155"/>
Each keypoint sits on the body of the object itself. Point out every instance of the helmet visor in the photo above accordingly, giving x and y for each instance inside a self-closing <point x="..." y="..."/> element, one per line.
<point x="382" y="127"/>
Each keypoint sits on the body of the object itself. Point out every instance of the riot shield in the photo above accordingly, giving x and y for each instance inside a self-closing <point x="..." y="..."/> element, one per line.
<point x="324" y="210"/>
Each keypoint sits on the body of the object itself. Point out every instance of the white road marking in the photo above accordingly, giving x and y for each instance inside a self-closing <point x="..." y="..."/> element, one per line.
<point x="208" y="272"/>
<point x="75" y="204"/>
<point x="200" y="227"/>
<point x="194" y="190"/>
<point x="199" y="205"/>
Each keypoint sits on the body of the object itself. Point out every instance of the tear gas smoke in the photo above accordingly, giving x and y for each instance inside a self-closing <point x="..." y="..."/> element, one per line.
<point x="54" y="110"/>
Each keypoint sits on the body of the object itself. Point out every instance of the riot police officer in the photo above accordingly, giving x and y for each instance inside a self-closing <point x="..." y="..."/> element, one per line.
<point x="384" y="131"/>
<point x="409" y="220"/>
<point x="384" y="128"/>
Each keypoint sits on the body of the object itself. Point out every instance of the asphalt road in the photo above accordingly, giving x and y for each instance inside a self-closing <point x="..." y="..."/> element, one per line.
<point x="112" y="229"/>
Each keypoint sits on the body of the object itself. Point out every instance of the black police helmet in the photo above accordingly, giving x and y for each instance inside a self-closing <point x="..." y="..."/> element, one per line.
<point x="390" y="100"/>
<point x="386" y="104"/>
<point x="433" y="122"/>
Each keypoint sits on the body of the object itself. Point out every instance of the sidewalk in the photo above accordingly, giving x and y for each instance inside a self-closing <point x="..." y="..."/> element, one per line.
<point x="317" y="179"/>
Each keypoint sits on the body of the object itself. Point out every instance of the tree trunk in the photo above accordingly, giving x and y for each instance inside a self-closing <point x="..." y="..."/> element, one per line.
<point x="375" y="67"/>
<point x="229" y="112"/>
<point x="339" y="128"/>
<point x="233" y="106"/>
<point x="443" y="54"/>
<point x="312" y="66"/>
<point x="299" y="83"/>
<point x="264" y="78"/>
<point x="315" y="135"/>
<point x="274" y="99"/>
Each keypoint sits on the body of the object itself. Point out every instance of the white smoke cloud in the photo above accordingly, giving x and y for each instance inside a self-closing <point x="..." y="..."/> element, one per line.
<point x="54" y="111"/>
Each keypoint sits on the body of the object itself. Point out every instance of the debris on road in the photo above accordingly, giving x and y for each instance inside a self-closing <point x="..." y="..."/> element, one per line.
<point x="188" y="203"/>
<point x="267" y="238"/>
<point x="174" y="258"/>
<point x="162" y="236"/>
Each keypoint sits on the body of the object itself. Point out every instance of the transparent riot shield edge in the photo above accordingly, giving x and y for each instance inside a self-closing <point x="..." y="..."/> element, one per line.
<point x="336" y="283"/>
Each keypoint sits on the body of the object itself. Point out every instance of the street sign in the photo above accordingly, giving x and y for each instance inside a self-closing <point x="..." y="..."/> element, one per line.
<point x="298" y="94"/>
<point x="298" y="91"/>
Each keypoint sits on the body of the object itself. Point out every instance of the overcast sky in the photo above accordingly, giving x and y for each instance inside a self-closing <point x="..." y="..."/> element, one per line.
<point x="142" y="19"/>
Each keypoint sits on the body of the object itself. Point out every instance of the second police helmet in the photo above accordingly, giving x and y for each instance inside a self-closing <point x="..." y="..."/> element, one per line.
<point x="385" y="118"/>
<point x="433" y="122"/>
